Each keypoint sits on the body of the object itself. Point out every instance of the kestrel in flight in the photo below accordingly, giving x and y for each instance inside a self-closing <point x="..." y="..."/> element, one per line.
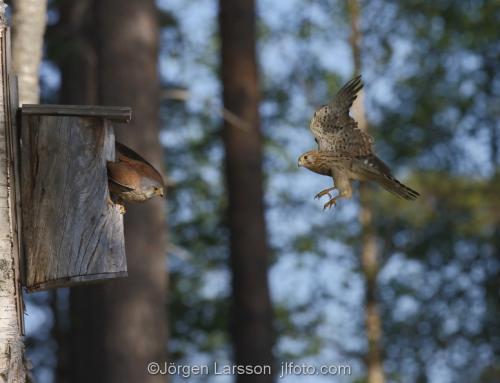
<point x="345" y="151"/>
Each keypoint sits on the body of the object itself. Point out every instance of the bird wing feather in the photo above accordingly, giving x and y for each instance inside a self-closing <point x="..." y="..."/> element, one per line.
<point x="131" y="158"/>
<point x="118" y="187"/>
<point x="373" y="168"/>
<point x="121" y="175"/>
<point x="371" y="164"/>
<point x="335" y="130"/>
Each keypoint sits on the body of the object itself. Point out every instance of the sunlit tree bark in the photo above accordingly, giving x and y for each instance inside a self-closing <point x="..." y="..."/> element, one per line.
<point x="12" y="368"/>
<point x="29" y="19"/>
<point x="369" y="250"/>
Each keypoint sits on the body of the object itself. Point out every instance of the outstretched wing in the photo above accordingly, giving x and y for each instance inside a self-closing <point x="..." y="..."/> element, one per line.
<point x="335" y="130"/>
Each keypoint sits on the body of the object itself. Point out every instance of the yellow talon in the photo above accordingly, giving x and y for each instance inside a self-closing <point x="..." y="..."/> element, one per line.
<point x="324" y="192"/>
<point x="329" y="204"/>
<point x="121" y="209"/>
<point x="112" y="204"/>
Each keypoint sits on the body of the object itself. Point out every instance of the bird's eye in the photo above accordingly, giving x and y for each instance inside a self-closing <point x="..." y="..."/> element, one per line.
<point x="305" y="157"/>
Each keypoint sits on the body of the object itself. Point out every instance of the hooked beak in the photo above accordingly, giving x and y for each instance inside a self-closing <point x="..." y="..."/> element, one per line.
<point x="160" y="192"/>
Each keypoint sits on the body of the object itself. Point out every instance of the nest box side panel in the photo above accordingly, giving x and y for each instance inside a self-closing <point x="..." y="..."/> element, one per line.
<point x="71" y="232"/>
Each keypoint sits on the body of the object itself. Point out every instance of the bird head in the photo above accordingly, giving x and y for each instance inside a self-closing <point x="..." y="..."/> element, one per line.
<point x="308" y="159"/>
<point x="317" y="162"/>
<point x="160" y="192"/>
<point x="151" y="189"/>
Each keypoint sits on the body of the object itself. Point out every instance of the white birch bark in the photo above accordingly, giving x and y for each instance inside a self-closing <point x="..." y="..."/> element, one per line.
<point x="29" y="19"/>
<point x="12" y="369"/>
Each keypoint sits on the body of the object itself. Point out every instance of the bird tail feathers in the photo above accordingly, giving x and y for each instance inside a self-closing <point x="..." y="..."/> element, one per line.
<point x="392" y="185"/>
<point x="372" y="168"/>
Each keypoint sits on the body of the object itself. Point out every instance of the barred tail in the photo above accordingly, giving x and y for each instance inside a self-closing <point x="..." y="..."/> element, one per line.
<point x="392" y="185"/>
<point x="371" y="167"/>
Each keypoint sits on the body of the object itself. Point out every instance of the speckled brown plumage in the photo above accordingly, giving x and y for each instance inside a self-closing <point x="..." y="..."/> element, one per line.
<point x="335" y="130"/>
<point x="131" y="178"/>
<point x="345" y="151"/>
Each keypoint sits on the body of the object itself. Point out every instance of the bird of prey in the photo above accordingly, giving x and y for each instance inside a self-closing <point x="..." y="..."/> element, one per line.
<point x="131" y="178"/>
<point x="345" y="152"/>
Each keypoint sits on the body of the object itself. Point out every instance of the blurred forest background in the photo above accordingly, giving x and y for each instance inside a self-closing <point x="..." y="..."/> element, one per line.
<point x="258" y="273"/>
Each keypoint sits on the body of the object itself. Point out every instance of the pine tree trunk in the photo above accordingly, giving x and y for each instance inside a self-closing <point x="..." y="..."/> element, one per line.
<point x="29" y="19"/>
<point x="77" y="360"/>
<point x="369" y="250"/>
<point x="251" y="330"/>
<point x="127" y="49"/>
<point x="118" y="327"/>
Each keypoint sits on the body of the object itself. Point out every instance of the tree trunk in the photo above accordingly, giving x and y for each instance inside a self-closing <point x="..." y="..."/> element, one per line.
<point x="251" y="330"/>
<point x="29" y="19"/>
<point x="369" y="250"/>
<point x="12" y="368"/>
<point x="78" y="64"/>
<point x="77" y="360"/>
<point x="127" y="50"/>
<point x="117" y="328"/>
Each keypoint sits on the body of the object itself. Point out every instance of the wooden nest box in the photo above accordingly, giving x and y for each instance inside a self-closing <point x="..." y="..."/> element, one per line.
<point x="71" y="232"/>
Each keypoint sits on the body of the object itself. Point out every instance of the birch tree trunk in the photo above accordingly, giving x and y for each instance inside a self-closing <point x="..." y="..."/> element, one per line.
<point x="29" y="20"/>
<point x="369" y="250"/>
<point x="12" y="369"/>
<point x="11" y="343"/>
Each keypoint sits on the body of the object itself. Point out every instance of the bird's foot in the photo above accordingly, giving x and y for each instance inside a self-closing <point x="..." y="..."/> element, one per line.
<point x="329" y="204"/>
<point x="324" y="192"/>
<point x="121" y="209"/>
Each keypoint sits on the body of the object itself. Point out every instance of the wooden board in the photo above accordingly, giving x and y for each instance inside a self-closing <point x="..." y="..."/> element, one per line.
<point x="113" y="113"/>
<point x="71" y="232"/>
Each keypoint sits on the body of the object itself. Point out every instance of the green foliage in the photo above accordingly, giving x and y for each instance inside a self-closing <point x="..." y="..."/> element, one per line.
<point x="440" y="253"/>
<point x="430" y="97"/>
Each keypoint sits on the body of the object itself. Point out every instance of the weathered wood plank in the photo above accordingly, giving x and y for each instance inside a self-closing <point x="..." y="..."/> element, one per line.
<point x="71" y="233"/>
<point x="113" y="113"/>
<point x="15" y="176"/>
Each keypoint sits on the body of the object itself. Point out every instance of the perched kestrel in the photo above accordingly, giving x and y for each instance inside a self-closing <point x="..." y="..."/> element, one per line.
<point x="345" y="151"/>
<point x="131" y="178"/>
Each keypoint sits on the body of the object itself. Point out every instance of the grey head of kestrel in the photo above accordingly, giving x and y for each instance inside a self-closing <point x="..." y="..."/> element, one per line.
<point x="131" y="178"/>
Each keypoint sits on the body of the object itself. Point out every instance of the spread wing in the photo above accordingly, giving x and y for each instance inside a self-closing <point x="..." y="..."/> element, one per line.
<point x="335" y="130"/>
